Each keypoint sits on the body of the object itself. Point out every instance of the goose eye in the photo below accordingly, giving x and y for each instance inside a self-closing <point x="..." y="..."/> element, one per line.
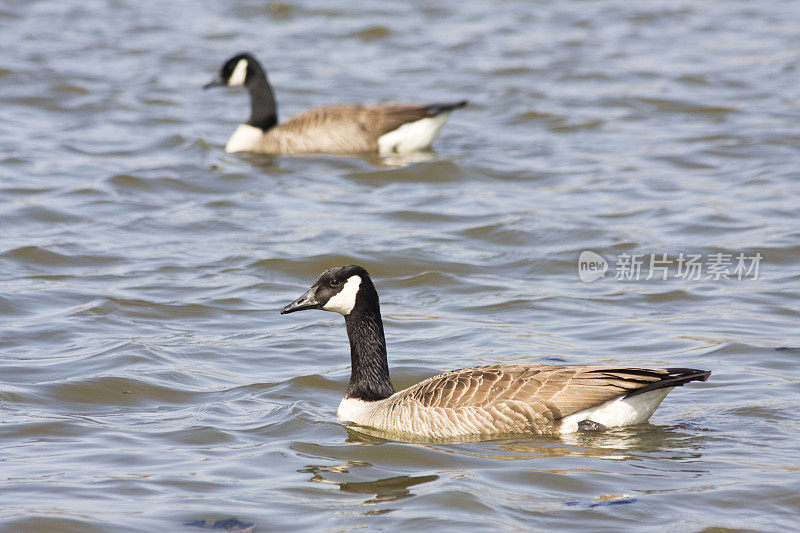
<point x="334" y="282"/>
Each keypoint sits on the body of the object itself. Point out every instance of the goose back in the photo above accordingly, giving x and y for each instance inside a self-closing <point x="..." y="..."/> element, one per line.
<point x="343" y="128"/>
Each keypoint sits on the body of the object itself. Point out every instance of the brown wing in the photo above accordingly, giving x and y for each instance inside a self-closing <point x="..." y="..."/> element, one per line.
<point x="345" y="128"/>
<point x="554" y="391"/>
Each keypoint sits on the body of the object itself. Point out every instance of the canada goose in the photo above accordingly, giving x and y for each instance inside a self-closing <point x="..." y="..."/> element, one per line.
<point x="483" y="400"/>
<point x="344" y="128"/>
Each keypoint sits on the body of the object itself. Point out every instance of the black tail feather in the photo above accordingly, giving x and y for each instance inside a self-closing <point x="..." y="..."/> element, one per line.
<point x="675" y="378"/>
<point x="436" y="109"/>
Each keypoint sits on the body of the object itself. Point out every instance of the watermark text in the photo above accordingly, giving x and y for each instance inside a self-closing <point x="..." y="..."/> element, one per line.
<point x="660" y="266"/>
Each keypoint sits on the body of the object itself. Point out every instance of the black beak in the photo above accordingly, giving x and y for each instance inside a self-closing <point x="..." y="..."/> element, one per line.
<point x="306" y="301"/>
<point x="216" y="82"/>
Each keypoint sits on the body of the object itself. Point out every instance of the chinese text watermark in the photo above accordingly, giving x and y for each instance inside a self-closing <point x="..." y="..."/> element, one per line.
<point x="660" y="266"/>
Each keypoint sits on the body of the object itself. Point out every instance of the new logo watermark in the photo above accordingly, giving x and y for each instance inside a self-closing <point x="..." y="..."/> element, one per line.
<point x="686" y="266"/>
<point x="591" y="266"/>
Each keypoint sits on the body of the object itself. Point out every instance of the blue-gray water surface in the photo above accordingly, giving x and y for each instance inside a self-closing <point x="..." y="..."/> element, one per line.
<point x="149" y="383"/>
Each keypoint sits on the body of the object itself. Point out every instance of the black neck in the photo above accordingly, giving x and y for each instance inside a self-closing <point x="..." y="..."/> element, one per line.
<point x="263" y="111"/>
<point x="369" y="374"/>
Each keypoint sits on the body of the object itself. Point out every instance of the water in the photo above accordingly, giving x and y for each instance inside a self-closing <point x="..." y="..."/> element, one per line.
<point x="149" y="382"/>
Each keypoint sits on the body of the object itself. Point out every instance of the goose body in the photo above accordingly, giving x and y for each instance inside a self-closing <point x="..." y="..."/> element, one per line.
<point x="483" y="400"/>
<point x="343" y="128"/>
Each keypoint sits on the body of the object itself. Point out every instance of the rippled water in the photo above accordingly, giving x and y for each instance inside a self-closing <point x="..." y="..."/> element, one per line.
<point x="149" y="383"/>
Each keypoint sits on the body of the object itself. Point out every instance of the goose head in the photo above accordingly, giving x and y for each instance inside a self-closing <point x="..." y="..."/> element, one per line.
<point x="345" y="290"/>
<point x="236" y="72"/>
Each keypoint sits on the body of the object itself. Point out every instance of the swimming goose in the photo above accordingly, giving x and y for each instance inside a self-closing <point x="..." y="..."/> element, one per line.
<point x="344" y="128"/>
<point x="482" y="400"/>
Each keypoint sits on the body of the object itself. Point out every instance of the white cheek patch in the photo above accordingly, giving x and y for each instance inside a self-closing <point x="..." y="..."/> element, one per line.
<point x="239" y="74"/>
<point x="345" y="300"/>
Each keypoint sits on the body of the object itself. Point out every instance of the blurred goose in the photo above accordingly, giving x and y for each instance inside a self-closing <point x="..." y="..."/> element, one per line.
<point x="343" y="128"/>
<point x="483" y="400"/>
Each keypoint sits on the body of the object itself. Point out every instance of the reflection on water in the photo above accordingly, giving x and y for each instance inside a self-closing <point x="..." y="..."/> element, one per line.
<point x="267" y="161"/>
<point x="643" y="438"/>
<point x="383" y="490"/>
<point x="401" y="160"/>
<point x="615" y="444"/>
